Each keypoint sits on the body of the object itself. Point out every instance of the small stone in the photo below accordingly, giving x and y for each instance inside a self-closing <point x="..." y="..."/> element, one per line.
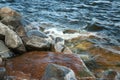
<point x="57" y="72"/>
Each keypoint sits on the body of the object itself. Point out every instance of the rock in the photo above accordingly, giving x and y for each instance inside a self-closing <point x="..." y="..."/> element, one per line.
<point x="21" y="31"/>
<point x="17" y="75"/>
<point x="57" y="72"/>
<point x="12" y="40"/>
<point x="36" y="43"/>
<point x="84" y="45"/>
<point x="70" y="31"/>
<point x="4" y="51"/>
<point x="109" y="75"/>
<point x="58" y="45"/>
<point x="10" y="17"/>
<point x="3" y="30"/>
<point x="94" y="27"/>
<point x="36" y="33"/>
<point x="67" y="50"/>
<point x="37" y="62"/>
<point x="2" y="73"/>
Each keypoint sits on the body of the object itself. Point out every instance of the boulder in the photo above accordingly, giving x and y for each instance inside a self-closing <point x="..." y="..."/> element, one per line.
<point x="13" y="41"/>
<point x="4" y="51"/>
<point x="57" y="72"/>
<point x="36" y="43"/>
<point x="35" y="63"/>
<point x="10" y="17"/>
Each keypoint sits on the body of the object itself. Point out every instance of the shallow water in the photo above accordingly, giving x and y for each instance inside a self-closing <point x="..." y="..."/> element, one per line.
<point x="73" y="14"/>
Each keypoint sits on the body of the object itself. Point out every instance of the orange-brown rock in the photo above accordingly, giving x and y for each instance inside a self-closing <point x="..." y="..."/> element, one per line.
<point x="34" y="63"/>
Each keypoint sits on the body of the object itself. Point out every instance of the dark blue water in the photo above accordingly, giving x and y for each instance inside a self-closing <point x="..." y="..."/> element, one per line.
<point x="74" y="14"/>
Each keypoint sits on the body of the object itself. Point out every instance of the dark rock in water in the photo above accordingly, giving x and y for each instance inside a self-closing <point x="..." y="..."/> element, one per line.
<point x="4" y="51"/>
<point x="36" y="43"/>
<point x="34" y="63"/>
<point x="94" y="27"/>
<point x="10" y="17"/>
<point x="2" y="73"/>
<point x="109" y="75"/>
<point x="36" y="33"/>
<point x="57" y="72"/>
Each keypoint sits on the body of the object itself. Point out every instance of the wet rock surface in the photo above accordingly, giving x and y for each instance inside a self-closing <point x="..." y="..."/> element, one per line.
<point x="37" y="62"/>
<point x="69" y="20"/>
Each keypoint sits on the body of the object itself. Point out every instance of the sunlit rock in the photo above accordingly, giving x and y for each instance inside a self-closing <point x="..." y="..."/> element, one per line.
<point x="10" y="17"/>
<point x="34" y="63"/>
<point x="12" y="40"/>
<point x="57" y="72"/>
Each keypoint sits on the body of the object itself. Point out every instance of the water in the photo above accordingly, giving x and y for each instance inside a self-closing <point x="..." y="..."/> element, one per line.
<point x="74" y="14"/>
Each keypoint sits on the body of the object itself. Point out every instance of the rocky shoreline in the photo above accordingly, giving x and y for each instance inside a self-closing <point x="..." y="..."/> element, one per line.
<point x="35" y="53"/>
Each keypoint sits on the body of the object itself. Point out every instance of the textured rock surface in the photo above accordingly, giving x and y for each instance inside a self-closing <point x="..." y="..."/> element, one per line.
<point x="12" y="40"/>
<point x="4" y="51"/>
<point x="36" y="43"/>
<point x="36" y="62"/>
<point x="10" y="17"/>
<point x="57" y="72"/>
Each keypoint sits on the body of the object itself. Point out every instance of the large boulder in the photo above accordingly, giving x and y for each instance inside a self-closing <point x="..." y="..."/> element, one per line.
<point x="35" y="63"/>
<point x="4" y="51"/>
<point x="10" y="17"/>
<point x="57" y="72"/>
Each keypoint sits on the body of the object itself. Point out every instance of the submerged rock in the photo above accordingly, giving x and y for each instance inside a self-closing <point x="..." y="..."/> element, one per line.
<point x="37" y="62"/>
<point x="4" y="51"/>
<point x="57" y="72"/>
<point x="10" y="17"/>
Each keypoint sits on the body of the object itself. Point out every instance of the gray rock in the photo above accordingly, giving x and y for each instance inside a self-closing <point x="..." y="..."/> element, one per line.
<point x="10" y="17"/>
<point x="4" y="51"/>
<point x="36" y="43"/>
<point x="57" y="72"/>
<point x="13" y="41"/>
